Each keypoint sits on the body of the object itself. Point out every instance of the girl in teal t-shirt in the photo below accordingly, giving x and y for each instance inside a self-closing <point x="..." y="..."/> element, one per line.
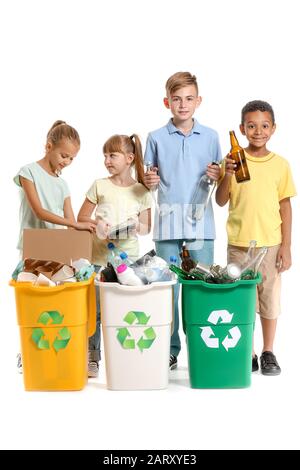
<point x="45" y="197"/>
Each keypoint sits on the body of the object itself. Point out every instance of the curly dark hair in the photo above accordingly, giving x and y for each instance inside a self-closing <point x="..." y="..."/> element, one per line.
<point x="257" y="105"/>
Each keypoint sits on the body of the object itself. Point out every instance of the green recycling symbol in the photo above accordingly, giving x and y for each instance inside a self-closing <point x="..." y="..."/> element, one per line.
<point x="145" y="341"/>
<point x="38" y="334"/>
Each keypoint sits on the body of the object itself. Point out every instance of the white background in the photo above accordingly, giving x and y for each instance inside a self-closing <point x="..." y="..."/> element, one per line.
<point x="102" y="66"/>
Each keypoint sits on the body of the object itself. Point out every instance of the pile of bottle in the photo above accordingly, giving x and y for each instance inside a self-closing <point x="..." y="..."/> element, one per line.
<point x="248" y="269"/>
<point x="147" y="269"/>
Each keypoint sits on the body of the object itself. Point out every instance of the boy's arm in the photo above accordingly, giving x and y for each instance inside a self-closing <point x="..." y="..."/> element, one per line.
<point x="284" y="258"/>
<point x="222" y="193"/>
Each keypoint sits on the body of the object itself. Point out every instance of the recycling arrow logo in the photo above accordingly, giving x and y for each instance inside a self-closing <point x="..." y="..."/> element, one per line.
<point x="124" y="335"/>
<point x="38" y="334"/>
<point x="208" y="336"/>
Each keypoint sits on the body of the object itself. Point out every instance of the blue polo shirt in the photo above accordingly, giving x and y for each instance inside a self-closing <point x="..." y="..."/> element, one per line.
<point x="181" y="160"/>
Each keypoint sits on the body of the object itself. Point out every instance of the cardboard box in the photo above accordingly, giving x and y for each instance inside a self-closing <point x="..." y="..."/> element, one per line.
<point x="63" y="245"/>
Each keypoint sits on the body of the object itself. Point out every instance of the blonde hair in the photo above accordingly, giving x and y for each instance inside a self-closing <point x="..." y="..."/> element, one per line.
<point x="61" y="130"/>
<point x="128" y="144"/>
<point x="179" y="80"/>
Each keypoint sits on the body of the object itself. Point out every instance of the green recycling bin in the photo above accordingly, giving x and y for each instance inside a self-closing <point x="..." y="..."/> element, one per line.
<point x="218" y="320"/>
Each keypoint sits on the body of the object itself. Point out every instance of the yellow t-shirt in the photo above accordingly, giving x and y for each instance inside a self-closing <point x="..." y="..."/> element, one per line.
<point x="116" y="204"/>
<point x="254" y="205"/>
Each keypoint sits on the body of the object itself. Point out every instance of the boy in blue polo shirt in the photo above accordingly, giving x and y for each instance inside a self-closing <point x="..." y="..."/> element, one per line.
<point x="181" y="152"/>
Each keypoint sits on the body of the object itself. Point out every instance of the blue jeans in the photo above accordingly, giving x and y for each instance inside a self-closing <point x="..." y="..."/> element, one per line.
<point x="95" y="340"/>
<point x="203" y="253"/>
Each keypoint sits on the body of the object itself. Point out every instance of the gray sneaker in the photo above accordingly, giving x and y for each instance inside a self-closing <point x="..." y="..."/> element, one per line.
<point x="93" y="369"/>
<point x="19" y="363"/>
<point x="172" y="362"/>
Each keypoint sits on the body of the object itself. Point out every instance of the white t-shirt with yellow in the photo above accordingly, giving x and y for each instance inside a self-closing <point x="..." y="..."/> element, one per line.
<point x="115" y="204"/>
<point x="254" y="210"/>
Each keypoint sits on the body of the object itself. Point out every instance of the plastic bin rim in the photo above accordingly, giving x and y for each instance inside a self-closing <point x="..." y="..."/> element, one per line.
<point x="66" y="285"/>
<point x="145" y="287"/>
<point x="121" y="325"/>
<point x="231" y="285"/>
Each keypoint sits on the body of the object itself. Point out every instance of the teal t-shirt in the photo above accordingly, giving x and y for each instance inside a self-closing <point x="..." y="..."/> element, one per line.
<point x="52" y="192"/>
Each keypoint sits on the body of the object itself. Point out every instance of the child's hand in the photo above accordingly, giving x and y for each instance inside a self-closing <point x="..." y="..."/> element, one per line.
<point x="284" y="259"/>
<point x="135" y="230"/>
<point x="213" y="171"/>
<point x="102" y="229"/>
<point x="151" y="178"/>
<point x="91" y="226"/>
<point x="230" y="165"/>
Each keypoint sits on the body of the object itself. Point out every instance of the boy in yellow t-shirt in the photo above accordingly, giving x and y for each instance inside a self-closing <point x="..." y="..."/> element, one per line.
<point x="260" y="210"/>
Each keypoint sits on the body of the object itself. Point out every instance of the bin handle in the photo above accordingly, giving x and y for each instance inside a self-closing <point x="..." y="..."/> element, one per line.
<point x="144" y="287"/>
<point x="134" y="288"/>
<point x="91" y="309"/>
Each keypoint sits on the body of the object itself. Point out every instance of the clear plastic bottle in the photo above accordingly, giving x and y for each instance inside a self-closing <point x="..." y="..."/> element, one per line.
<point x="232" y="271"/>
<point x="255" y="261"/>
<point x="125" y="259"/>
<point x="113" y="256"/>
<point x="173" y="260"/>
<point x="156" y="269"/>
<point x="164" y="209"/>
<point x="153" y="190"/>
<point x="201" y="197"/>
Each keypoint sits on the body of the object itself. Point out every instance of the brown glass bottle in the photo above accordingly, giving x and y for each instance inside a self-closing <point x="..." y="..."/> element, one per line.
<point x="187" y="263"/>
<point x="237" y="153"/>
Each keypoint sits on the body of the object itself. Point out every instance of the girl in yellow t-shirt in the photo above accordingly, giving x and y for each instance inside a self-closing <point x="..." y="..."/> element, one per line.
<point x="113" y="200"/>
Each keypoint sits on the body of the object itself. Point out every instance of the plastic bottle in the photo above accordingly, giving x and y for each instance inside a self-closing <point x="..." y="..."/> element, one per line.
<point x="156" y="269"/>
<point x="157" y="274"/>
<point x="127" y="276"/>
<point x="256" y="261"/>
<point x="173" y="260"/>
<point x="125" y="259"/>
<point x="141" y="260"/>
<point x="232" y="271"/>
<point x="113" y="256"/>
<point x="153" y="190"/>
<point x="201" y="197"/>
<point x="165" y="208"/>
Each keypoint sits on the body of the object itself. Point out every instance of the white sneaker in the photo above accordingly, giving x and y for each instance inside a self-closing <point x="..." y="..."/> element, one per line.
<point x="93" y="369"/>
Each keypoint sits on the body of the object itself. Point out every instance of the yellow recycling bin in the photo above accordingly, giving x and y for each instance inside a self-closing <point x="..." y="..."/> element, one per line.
<point x="55" y="323"/>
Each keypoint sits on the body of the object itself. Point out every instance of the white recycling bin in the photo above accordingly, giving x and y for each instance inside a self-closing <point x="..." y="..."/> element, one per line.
<point x="136" y="324"/>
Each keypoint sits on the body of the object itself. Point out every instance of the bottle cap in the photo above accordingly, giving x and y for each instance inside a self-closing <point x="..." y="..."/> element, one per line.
<point x="123" y="255"/>
<point x="233" y="271"/>
<point x="110" y="246"/>
<point x="121" y="268"/>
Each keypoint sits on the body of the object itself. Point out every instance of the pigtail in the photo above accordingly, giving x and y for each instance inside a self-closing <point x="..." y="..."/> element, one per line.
<point x="138" y="159"/>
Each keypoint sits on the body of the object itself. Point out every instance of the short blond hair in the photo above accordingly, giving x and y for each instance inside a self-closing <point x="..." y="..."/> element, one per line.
<point x="179" y="80"/>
